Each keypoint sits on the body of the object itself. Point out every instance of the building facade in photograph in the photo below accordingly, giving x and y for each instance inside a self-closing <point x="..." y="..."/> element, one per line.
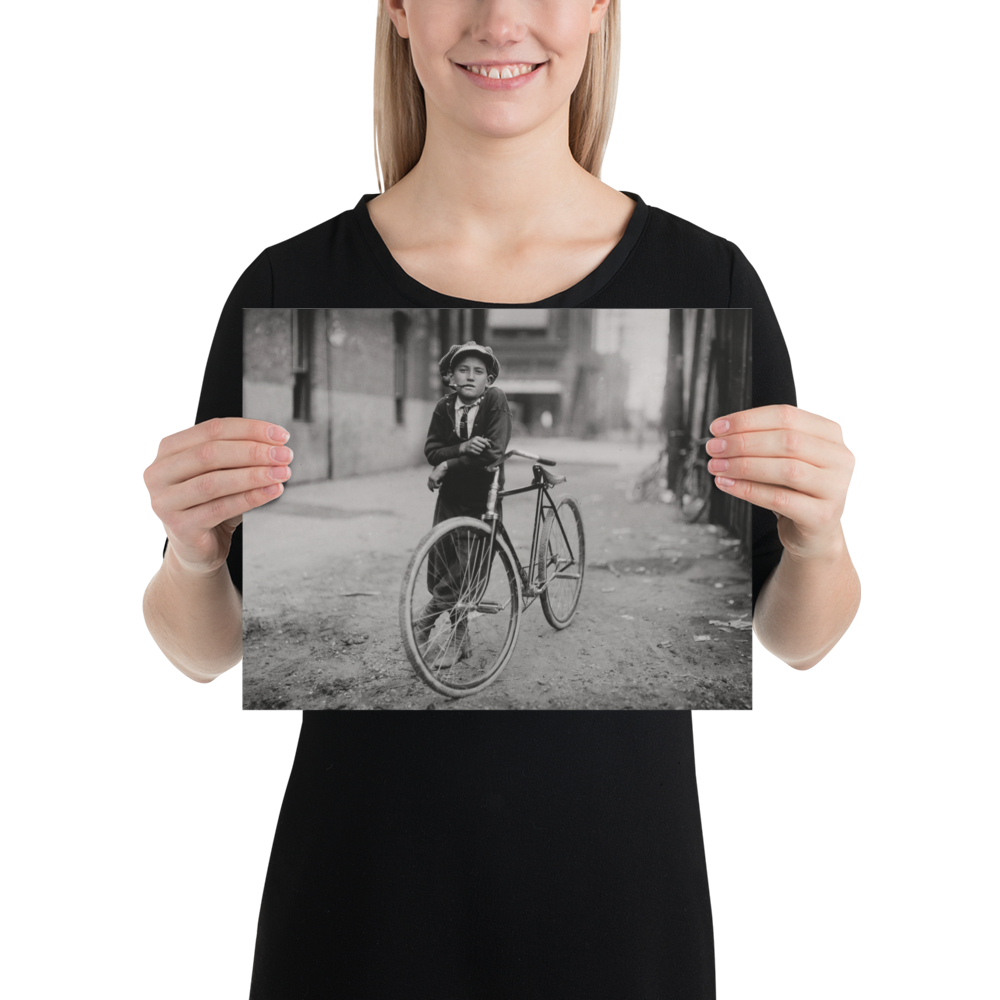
<point x="354" y="387"/>
<point x="556" y="380"/>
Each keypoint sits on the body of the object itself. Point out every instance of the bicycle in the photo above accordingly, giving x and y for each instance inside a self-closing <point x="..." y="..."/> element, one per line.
<point x="651" y="483"/>
<point x="465" y="589"/>
<point x="695" y="486"/>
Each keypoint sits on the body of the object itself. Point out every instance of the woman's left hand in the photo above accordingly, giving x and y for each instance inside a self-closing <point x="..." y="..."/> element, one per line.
<point x="790" y="461"/>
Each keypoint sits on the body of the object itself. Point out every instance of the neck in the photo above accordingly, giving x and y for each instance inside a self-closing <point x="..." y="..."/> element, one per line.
<point x="479" y="187"/>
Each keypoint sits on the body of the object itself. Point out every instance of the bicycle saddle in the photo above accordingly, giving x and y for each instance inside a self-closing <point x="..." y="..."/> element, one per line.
<point x="550" y="480"/>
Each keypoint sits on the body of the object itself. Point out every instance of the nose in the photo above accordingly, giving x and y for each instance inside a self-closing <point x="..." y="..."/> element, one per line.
<point x="500" y="22"/>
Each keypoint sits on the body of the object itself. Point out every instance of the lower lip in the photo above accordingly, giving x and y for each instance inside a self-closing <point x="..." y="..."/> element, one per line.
<point x="510" y="84"/>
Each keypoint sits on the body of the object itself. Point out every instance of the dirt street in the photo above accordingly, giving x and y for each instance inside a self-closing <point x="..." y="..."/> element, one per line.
<point x="642" y="637"/>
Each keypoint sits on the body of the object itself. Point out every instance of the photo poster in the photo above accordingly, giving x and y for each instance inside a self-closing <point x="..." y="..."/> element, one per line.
<point x="617" y="578"/>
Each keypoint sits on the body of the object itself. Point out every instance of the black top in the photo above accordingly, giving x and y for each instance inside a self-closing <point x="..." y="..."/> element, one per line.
<point x="479" y="855"/>
<point x="471" y="854"/>
<point x="467" y="482"/>
<point x="661" y="262"/>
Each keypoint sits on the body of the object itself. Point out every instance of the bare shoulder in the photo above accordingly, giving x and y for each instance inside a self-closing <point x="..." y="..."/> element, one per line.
<point x="388" y="212"/>
<point x="603" y="210"/>
<point x="610" y="204"/>
<point x="626" y="205"/>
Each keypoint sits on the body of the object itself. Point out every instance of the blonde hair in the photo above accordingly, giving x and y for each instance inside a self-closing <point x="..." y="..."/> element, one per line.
<point x="401" y="118"/>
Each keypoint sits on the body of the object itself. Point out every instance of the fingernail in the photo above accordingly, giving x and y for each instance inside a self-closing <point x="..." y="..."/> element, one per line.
<point x="717" y="446"/>
<point x="272" y="491"/>
<point x="283" y="455"/>
<point x="277" y="433"/>
<point x="718" y="465"/>
<point x="723" y="481"/>
<point x="279" y="472"/>
<point x="719" y="427"/>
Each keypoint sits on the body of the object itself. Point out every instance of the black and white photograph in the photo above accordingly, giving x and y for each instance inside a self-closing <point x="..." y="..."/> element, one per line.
<point x="497" y="508"/>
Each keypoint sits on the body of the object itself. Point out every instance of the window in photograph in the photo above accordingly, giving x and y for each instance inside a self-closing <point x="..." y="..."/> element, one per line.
<point x="302" y="355"/>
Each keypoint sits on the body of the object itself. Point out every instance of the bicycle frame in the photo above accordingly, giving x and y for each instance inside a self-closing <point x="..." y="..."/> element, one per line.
<point x="531" y="589"/>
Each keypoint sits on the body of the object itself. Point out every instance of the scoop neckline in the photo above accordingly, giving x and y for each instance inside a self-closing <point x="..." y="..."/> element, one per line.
<point x="576" y="295"/>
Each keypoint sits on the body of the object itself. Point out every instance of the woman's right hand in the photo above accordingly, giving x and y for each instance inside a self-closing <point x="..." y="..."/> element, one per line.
<point x="205" y="478"/>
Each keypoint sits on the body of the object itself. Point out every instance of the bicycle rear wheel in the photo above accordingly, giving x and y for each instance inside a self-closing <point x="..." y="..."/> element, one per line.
<point x="460" y="607"/>
<point x="561" y="562"/>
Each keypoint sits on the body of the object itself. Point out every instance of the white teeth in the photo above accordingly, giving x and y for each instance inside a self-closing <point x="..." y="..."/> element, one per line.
<point x="507" y="73"/>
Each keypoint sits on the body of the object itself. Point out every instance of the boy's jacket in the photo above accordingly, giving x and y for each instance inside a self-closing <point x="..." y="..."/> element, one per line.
<point x="467" y="482"/>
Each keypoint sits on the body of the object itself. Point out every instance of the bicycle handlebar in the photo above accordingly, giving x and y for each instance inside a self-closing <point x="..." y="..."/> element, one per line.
<point x="522" y="454"/>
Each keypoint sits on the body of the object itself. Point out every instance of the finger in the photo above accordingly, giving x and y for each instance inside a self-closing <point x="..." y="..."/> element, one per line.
<point x="805" y="511"/>
<point x="789" y="444"/>
<point x="210" y="456"/>
<point x="780" y="417"/>
<point x="222" y="429"/>
<point x="213" y="486"/>
<point x="787" y="472"/>
<point x="204" y="517"/>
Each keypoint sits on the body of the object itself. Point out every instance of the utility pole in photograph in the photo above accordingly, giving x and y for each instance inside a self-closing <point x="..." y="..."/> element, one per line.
<point x="674" y="424"/>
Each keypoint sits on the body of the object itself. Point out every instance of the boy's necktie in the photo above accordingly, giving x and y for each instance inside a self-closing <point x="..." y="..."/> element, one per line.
<point x="463" y="427"/>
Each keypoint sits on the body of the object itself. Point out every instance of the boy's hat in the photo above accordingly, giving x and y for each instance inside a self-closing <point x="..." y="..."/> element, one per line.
<point x="471" y="347"/>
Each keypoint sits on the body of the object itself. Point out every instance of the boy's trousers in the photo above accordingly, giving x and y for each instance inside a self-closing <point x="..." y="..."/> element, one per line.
<point x="447" y="566"/>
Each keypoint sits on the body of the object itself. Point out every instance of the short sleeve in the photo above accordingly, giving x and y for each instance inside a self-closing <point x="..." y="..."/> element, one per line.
<point x="771" y="383"/>
<point x="222" y="385"/>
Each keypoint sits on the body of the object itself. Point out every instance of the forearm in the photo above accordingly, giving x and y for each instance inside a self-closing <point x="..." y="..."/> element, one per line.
<point x="807" y="604"/>
<point x="453" y="457"/>
<point x="196" y="619"/>
<point x="469" y="460"/>
<point x="436" y="453"/>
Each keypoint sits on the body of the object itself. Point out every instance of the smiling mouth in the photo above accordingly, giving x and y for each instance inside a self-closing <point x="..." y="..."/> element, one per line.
<point x="507" y="71"/>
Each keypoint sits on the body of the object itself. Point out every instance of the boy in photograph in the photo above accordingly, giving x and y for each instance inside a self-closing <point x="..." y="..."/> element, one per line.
<point x="469" y="431"/>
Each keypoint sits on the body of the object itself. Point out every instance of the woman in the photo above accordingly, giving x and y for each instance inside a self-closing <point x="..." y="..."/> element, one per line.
<point x="480" y="854"/>
<point x="492" y="195"/>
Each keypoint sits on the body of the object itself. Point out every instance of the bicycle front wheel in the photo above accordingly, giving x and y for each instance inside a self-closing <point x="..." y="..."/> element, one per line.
<point x="561" y="562"/>
<point x="460" y="607"/>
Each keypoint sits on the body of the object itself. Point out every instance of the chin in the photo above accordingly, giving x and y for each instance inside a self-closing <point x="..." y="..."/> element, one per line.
<point x="505" y="122"/>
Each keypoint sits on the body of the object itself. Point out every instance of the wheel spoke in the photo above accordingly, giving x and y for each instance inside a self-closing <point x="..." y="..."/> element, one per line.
<point x="562" y="548"/>
<point x="456" y="570"/>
